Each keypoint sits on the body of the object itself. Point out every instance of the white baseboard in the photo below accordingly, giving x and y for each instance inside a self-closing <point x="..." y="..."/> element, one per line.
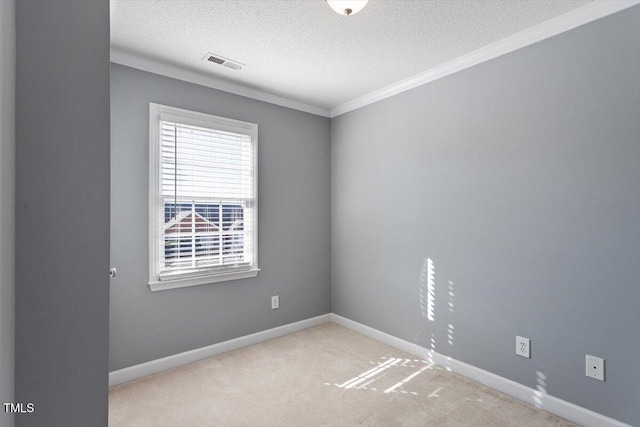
<point x="154" y="366"/>
<point x="562" y="408"/>
<point x="559" y="407"/>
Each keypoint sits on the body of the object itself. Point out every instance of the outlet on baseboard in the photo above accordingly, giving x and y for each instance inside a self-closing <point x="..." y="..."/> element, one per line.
<point x="523" y="347"/>
<point x="275" y="302"/>
<point x="595" y="367"/>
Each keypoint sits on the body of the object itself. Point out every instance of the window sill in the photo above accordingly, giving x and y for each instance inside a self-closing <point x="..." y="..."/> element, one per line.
<point x="202" y="280"/>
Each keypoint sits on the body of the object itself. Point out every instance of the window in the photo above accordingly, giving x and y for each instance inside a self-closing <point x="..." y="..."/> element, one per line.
<point x="202" y="198"/>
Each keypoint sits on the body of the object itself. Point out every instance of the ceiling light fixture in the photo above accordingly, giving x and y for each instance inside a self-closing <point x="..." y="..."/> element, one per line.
<point x="347" y="7"/>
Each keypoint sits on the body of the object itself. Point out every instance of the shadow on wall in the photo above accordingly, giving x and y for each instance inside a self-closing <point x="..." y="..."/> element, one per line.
<point x="427" y="299"/>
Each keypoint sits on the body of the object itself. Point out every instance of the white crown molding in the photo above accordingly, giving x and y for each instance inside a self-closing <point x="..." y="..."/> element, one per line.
<point x="545" y="30"/>
<point x="559" y="407"/>
<point x="159" y="365"/>
<point x="162" y="68"/>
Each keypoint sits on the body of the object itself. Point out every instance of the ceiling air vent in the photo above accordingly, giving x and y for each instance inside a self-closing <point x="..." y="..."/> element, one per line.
<point x="221" y="60"/>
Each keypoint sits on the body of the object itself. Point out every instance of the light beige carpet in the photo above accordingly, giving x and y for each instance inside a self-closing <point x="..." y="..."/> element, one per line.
<point x="323" y="376"/>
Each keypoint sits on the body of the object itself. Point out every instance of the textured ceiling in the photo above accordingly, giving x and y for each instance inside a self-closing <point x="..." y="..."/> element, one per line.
<point x="304" y="51"/>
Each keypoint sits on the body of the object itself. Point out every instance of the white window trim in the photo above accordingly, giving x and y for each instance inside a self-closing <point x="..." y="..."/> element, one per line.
<point x="164" y="112"/>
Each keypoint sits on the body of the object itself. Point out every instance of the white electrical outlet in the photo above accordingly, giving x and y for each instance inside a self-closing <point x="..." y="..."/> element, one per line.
<point x="523" y="347"/>
<point x="595" y="367"/>
<point x="275" y="302"/>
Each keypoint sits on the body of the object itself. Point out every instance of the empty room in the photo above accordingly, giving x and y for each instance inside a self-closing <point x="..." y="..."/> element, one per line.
<point x="319" y="213"/>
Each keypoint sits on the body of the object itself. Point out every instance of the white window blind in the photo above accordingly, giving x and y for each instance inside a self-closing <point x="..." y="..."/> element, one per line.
<point x="205" y="204"/>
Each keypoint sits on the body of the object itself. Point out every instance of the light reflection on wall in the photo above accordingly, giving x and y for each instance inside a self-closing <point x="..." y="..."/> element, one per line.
<point x="427" y="289"/>
<point x="431" y="287"/>
<point x="451" y="295"/>
<point x="427" y="298"/>
<point x="450" y="329"/>
<point x="540" y="393"/>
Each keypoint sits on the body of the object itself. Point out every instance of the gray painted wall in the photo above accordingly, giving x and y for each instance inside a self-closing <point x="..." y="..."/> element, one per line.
<point x="520" y="179"/>
<point x="294" y="225"/>
<point x="62" y="212"/>
<point x="7" y="204"/>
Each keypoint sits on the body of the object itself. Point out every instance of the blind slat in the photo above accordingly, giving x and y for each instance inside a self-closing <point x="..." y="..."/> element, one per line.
<point x="207" y="185"/>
